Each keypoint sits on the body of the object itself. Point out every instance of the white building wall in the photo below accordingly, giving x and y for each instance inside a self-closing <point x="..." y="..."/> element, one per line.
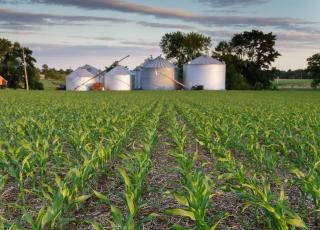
<point x="118" y="82"/>
<point x="212" y="77"/>
<point x="72" y="82"/>
<point x="158" y="78"/>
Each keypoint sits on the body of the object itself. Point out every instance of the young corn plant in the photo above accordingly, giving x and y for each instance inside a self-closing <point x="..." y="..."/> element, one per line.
<point x="59" y="201"/>
<point x="134" y="173"/>
<point x="309" y="185"/>
<point x="134" y="184"/>
<point x="197" y="186"/>
<point x="278" y="215"/>
<point x="275" y="211"/>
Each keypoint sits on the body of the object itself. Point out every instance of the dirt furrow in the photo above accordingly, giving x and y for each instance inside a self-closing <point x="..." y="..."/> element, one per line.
<point x="161" y="179"/>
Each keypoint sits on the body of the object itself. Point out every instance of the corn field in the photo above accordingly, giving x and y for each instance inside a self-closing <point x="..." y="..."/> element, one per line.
<point x="160" y="160"/>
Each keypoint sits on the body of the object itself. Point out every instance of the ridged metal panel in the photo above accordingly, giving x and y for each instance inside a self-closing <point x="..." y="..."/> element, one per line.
<point x="91" y="69"/>
<point x="159" y="62"/>
<point x="118" y="70"/>
<point x="158" y="78"/>
<point x="118" y="79"/>
<point x="205" y="60"/>
<point x="77" y="78"/>
<point x="212" y="77"/>
<point x="137" y="78"/>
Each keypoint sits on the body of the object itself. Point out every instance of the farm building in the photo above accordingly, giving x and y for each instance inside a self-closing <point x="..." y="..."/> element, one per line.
<point x="205" y="71"/>
<point x="3" y="82"/>
<point x="119" y="78"/>
<point x="95" y="72"/>
<point x="136" y="74"/>
<point x="159" y="74"/>
<point x="80" y="80"/>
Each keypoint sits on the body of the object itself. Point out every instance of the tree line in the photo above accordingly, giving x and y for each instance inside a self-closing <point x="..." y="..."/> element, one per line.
<point x="12" y="67"/>
<point x="248" y="57"/>
<point x="55" y="74"/>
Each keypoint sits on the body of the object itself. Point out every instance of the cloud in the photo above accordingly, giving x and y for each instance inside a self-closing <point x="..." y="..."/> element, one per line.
<point x="165" y="13"/>
<point x="65" y="56"/>
<point x="165" y="25"/>
<point x="225" y="3"/>
<point x="100" y="38"/>
<point x="295" y="40"/>
<point x="18" y="26"/>
<point x="15" y="18"/>
<point x="141" y="43"/>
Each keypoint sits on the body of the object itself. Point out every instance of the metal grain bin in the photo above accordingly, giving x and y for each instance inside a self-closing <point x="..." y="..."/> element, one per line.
<point x="159" y="74"/>
<point x="205" y="71"/>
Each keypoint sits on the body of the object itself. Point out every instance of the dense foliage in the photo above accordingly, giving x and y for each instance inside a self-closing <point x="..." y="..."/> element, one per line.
<point x="55" y="74"/>
<point x="12" y="68"/>
<point x="314" y="69"/>
<point x="155" y="160"/>
<point x="249" y="55"/>
<point x="294" y="74"/>
<point x="183" y="47"/>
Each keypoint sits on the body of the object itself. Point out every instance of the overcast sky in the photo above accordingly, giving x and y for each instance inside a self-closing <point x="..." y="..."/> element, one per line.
<point x="71" y="33"/>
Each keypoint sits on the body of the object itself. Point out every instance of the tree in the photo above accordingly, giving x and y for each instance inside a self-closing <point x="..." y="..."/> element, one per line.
<point x="54" y="74"/>
<point x="4" y="48"/>
<point x="256" y="47"/>
<point x="11" y="65"/>
<point x="255" y="50"/>
<point x="45" y="68"/>
<point x="314" y="69"/>
<point x="234" y="77"/>
<point x="183" y="47"/>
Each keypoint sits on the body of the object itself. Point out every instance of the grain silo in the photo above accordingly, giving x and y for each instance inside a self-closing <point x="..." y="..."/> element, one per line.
<point x="95" y="72"/>
<point x="136" y="73"/>
<point x="159" y="74"/>
<point x="80" y="80"/>
<point x="119" y="78"/>
<point x="205" y="71"/>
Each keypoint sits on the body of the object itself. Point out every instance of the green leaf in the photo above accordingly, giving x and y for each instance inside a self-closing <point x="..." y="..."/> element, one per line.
<point x="95" y="225"/>
<point x="214" y="226"/>
<point x="27" y="217"/>
<point x="117" y="216"/>
<point x="180" y="212"/>
<point x="182" y="200"/>
<point x="148" y="218"/>
<point x="81" y="198"/>
<point x="297" y="172"/>
<point x="296" y="221"/>
<point x="177" y="227"/>
<point x="130" y="203"/>
<point x="246" y="205"/>
<point x="15" y="227"/>
<point x="101" y="196"/>
<point x="125" y="177"/>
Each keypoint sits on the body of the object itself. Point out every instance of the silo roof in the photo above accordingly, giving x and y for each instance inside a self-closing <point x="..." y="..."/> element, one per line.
<point x="80" y="72"/>
<point x="119" y="70"/>
<point x="159" y="62"/>
<point x="91" y="69"/>
<point x="205" y="60"/>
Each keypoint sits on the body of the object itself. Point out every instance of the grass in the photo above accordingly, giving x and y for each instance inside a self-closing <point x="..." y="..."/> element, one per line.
<point x="49" y="84"/>
<point x="159" y="160"/>
<point x="293" y="83"/>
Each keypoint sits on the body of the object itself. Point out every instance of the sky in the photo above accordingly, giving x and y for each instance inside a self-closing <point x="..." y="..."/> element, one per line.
<point x="72" y="33"/>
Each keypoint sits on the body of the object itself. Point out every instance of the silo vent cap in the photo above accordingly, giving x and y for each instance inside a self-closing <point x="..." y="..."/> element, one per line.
<point x="159" y="62"/>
